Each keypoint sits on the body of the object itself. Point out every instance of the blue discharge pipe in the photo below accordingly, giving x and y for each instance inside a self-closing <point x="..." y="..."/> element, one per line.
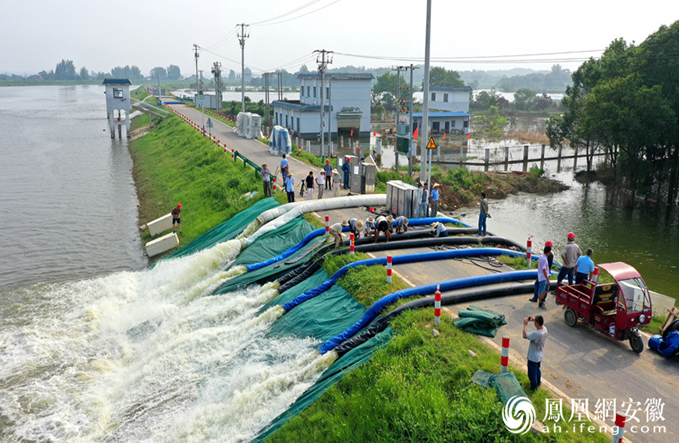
<point x="448" y="285"/>
<point x="321" y="231"/>
<point x="396" y="260"/>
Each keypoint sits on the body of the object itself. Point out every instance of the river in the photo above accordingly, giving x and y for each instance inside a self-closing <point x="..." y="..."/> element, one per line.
<point x="94" y="347"/>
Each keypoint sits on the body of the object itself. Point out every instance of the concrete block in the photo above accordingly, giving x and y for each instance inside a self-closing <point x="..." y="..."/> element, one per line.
<point x="661" y="303"/>
<point x="162" y="244"/>
<point x="160" y="225"/>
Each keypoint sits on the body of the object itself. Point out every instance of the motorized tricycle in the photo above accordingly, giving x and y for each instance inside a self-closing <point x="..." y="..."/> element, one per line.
<point x="614" y="309"/>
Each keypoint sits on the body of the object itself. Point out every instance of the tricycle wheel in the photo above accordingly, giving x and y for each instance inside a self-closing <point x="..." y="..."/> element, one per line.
<point x="637" y="343"/>
<point x="674" y="326"/>
<point x="570" y="317"/>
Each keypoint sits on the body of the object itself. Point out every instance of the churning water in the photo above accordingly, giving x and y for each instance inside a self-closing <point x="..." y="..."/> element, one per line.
<point x="148" y="356"/>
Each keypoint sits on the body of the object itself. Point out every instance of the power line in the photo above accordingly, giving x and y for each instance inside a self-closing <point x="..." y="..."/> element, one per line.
<point x="286" y="14"/>
<point x="300" y="16"/>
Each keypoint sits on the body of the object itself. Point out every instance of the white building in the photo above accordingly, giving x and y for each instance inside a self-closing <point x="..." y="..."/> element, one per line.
<point x="118" y="99"/>
<point x="451" y="110"/>
<point x="347" y="100"/>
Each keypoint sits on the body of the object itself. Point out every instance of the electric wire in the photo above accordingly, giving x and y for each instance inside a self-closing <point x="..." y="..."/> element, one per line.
<point x="285" y="14"/>
<point x="300" y="16"/>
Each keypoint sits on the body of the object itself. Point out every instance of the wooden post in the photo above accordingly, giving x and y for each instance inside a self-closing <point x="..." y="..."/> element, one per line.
<point x="487" y="159"/>
<point x="525" y="157"/>
<point x="542" y="158"/>
<point x="558" y="159"/>
<point x="506" y="158"/>
<point x="461" y="154"/>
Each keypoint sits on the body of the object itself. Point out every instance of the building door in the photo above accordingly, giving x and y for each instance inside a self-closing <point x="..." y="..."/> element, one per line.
<point x="447" y="130"/>
<point x="435" y="127"/>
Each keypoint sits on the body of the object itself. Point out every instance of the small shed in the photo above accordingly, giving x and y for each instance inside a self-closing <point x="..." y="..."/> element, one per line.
<point x="118" y="99"/>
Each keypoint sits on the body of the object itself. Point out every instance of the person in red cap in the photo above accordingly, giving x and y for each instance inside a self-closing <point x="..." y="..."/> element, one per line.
<point x="569" y="256"/>
<point x="176" y="218"/>
<point x="550" y="260"/>
<point x="328" y="173"/>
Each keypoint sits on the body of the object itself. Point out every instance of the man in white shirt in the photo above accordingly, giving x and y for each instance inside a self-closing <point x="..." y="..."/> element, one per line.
<point x="535" y="348"/>
<point x="543" y="276"/>
<point x="320" y="181"/>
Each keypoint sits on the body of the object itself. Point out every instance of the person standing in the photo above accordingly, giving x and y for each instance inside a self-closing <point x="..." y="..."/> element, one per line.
<point x="328" y="173"/>
<point x="310" y="185"/>
<point x="550" y="260"/>
<point x="336" y="231"/>
<point x="336" y="182"/>
<point x="435" y="200"/>
<point x="543" y="276"/>
<point x="535" y="349"/>
<point x="422" y="197"/>
<point x="346" y="168"/>
<point x="290" y="187"/>
<point x="569" y="255"/>
<point x="284" y="167"/>
<point x="483" y="214"/>
<point x="266" y="179"/>
<point x="320" y="181"/>
<point x="177" y="218"/>
<point x="584" y="267"/>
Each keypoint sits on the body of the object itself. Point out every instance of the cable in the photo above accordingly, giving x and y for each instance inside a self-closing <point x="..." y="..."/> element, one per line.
<point x="303" y="15"/>
<point x="287" y="13"/>
<point x="222" y="41"/>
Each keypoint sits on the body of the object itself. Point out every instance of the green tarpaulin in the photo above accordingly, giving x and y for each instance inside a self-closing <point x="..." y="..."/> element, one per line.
<point x="480" y="321"/>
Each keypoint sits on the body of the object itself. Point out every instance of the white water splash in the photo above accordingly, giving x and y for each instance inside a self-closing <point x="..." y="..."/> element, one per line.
<point x="149" y="356"/>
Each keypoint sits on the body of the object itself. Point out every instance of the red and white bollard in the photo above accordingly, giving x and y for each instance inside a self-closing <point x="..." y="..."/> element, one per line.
<point x="233" y="154"/>
<point x="299" y="150"/>
<point x="274" y="184"/>
<point x="595" y="275"/>
<point x="504" y="360"/>
<point x="351" y="248"/>
<point x="389" y="269"/>
<point x="619" y="428"/>
<point x="528" y="248"/>
<point x="225" y="149"/>
<point x="437" y="306"/>
<point x="327" y="225"/>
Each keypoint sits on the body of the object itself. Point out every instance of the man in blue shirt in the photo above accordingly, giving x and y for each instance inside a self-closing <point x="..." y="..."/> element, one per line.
<point x="435" y="200"/>
<point x="328" y="174"/>
<point x="290" y="187"/>
<point x="284" y="167"/>
<point x="584" y="267"/>
<point x="543" y="276"/>
<point x="346" y="167"/>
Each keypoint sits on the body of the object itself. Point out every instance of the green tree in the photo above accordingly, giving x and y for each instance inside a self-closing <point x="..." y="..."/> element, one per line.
<point x="524" y="99"/>
<point x="174" y="73"/>
<point x="443" y="77"/>
<point x="484" y="100"/>
<point x="232" y="75"/>
<point x="633" y="118"/>
<point x="496" y="122"/>
<point x="65" y="70"/>
<point x="157" y="72"/>
<point x="84" y="74"/>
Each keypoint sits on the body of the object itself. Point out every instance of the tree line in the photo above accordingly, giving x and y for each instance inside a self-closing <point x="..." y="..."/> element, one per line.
<point x="66" y="70"/>
<point x="626" y="104"/>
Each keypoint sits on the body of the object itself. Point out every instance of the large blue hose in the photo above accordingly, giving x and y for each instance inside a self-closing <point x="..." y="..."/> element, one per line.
<point x="448" y="285"/>
<point x="321" y="231"/>
<point x="399" y="259"/>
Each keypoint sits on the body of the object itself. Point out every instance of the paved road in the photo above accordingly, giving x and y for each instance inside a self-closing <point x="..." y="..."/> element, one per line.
<point x="580" y="362"/>
<point x="255" y="150"/>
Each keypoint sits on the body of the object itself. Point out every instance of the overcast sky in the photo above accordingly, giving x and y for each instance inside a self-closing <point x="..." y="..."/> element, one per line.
<point x="37" y="34"/>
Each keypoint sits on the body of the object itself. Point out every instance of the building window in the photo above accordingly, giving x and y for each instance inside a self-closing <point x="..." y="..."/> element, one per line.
<point x="298" y="124"/>
<point x="433" y="96"/>
<point x="445" y="98"/>
<point x="301" y="92"/>
<point x="314" y="92"/>
<point x="117" y="93"/>
<point x="276" y="117"/>
<point x="308" y="91"/>
<point x="452" y="123"/>
<point x="327" y="93"/>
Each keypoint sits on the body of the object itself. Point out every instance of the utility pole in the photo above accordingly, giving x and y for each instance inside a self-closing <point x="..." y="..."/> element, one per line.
<point x="398" y="70"/>
<point x="241" y="38"/>
<point x="329" y="118"/>
<point x="200" y="82"/>
<point x="322" y="65"/>
<point x="410" y="125"/>
<point x="217" y="73"/>
<point x="266" y="96"/>
<point x="425" y="104"/>
<point x="195" y="48"/>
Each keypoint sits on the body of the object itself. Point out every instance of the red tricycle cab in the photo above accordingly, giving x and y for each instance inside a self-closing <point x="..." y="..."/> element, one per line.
<point x="614" y="309"/>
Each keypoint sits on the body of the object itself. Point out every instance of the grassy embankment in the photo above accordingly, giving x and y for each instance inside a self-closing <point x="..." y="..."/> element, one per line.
<point x="174" y="164"/>
<point x="416" y="389"/>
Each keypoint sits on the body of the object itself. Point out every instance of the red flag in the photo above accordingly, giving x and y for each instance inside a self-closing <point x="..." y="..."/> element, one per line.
<point x="444" y="135"/>
<point x="415" y="133"/>
<point x="374" y="133"/>
<point x="352" y="132"/>
<point x="468" y="136"/>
